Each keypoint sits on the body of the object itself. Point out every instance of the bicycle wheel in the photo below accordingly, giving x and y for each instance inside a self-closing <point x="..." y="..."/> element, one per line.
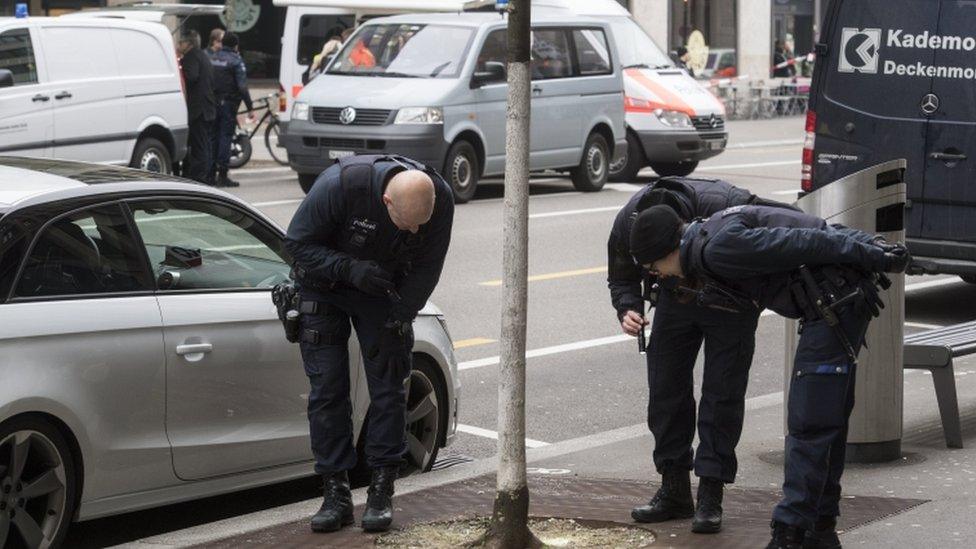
<point x="271" y="141"/>
<point x="240" y="150"/>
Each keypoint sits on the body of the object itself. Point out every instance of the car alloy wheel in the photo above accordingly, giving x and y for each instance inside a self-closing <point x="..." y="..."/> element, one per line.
<point x="33" y="490"/>
<point x="423" y="421"/>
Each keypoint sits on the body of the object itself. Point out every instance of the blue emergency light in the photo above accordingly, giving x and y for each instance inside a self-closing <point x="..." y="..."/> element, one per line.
<point x="20" y="11"/>
<point x="501" y="5"/>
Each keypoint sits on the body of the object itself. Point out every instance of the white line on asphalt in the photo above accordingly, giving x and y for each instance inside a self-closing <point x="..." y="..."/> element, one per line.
<point x="249" y="171"/>
<point x="562" y="213"/>
<point x="478" y="431"/>
<point x="924" y="325"/>
<point x="610" y="340"/>
<point x="790" y="191"/>
<point x="276" y="202"/>
<point x="760" y="144"/>
<point x="751" y="165"/>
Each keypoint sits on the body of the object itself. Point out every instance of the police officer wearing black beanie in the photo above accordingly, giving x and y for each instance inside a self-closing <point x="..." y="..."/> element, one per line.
<point x="680" y="328"/>
<point x="783" y="260"/>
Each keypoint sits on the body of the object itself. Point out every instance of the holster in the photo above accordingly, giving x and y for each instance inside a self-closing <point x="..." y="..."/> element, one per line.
<point x="285" y="299"/>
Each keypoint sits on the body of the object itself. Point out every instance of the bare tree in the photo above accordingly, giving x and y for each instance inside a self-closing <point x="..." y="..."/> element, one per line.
<point x="509" y="528"/>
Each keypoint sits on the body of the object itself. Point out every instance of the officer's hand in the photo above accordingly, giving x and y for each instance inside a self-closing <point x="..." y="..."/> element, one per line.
<point x="395" y="343"/>
<point x="896" y="258"/>
<point x="370" y="278"/>
<point x="632" y="323"/>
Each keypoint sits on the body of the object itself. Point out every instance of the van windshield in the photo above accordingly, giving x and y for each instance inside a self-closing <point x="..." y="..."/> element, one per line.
<point x="636" y="47"/>
<point x="404" y="51"/>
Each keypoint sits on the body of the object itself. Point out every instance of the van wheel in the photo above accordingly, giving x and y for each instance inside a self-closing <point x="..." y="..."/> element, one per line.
<point x="152" y="156"/>
<point x="626" y="168"/>
<point x="594" y="168"/>
<point x="38" y="486"/>
<point x="462" y="171"/>
<point x="680" y="169"/>
<point x="306" y="180"/>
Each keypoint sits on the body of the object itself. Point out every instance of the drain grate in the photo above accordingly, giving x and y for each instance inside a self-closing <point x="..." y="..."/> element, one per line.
<point x="447" y="462"/>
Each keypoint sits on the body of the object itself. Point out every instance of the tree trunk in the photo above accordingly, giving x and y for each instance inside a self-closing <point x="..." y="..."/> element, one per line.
<point x="509" y="521"/>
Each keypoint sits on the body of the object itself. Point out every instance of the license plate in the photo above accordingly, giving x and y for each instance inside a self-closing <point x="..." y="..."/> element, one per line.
<point x="335" y="155"/>
<point x="714" y="144"/>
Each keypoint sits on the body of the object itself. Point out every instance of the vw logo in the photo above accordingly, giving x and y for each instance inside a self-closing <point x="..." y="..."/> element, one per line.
<point x="930" y="103"/>
<point x="347" y="115"/>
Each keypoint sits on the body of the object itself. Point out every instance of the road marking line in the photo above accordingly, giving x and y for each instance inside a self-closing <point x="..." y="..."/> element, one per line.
<point x="276" y="202"/>
<point x="752" y="165"/>
<point x="575" y="212"/>
<point x="249" y="171"/>
<point x="610" y="340"/>
<point x="551" y="276"/>
<point x="924" y="325"/>
<point x="760" y="144"/>
<point x="473" y="342"/>
<point x="478" y="431"/>
<point x="790" y="191"/>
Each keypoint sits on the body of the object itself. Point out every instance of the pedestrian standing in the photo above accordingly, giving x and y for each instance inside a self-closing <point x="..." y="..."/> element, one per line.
<point x="230" y="88"/>
<point x="200" y="106"/>
<point x="368" y="242"/>
<point x="799" y="267"/>
<point x="680" y="328"/>
<point x="215" y="42"/>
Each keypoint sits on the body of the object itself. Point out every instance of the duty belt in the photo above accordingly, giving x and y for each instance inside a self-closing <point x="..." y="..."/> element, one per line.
<point x="309" y="307"/>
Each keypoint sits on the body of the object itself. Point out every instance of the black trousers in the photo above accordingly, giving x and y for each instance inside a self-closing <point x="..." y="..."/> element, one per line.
<point x="678" y="331"/>
<point x="327" y="368"/>
<point x="820" y="403"/>
<point x="196" y="166"/>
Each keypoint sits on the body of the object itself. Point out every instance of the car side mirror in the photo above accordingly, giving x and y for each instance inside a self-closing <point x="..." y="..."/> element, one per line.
<point x="494" y="73"/>
<point x="6" y="78"/>
<point x="168" y="280"/>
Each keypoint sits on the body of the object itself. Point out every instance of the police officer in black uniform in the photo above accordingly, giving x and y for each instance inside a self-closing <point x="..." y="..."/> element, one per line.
<point x="230" y="88"/>
<point x="680" y="327"/>
<point x="800" y="267"/>
<point x="368" y="242"/>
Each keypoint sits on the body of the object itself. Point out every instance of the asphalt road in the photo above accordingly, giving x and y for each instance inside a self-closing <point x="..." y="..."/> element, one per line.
<point x="587" y="379"/>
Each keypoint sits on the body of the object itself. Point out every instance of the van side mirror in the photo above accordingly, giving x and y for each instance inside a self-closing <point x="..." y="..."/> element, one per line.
<point x="6" y="78"/>
<point x="494" y="73"/>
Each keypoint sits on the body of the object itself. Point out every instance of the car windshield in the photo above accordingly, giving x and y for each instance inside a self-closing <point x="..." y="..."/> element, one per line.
<point x="636" y="47"/>
<point x="404" y="51"/>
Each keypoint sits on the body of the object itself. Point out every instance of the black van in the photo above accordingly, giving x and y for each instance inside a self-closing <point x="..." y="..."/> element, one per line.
<point x="897" y="79"/>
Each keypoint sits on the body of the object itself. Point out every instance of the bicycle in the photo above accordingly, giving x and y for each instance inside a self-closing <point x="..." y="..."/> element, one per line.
<point x="240" y="147"/>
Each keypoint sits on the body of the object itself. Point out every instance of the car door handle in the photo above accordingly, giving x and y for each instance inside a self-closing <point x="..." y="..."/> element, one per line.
<point x="63" y="95"/>
<point x="947" y="157"/>
<point x="194" y="348"/>
<point x="536" y="90"/>
<point x="40" y="98"/>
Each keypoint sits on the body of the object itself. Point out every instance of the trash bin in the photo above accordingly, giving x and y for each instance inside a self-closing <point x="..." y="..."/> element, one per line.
<point x="872" y="200"/>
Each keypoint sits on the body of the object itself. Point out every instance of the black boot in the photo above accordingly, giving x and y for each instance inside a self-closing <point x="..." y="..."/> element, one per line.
<point x="672" y="500"/>
<point x="379" y="501"/>
<point x="708" y="511"/>
<point x="336" y="510"/>
<point x="785" y="536"/>
<point x="824" y="535"/>
<point x="223" y="180"/>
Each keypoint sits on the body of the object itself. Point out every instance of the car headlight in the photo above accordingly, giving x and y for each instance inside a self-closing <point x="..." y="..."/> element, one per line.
<point x="299" y="111"/>
<point x="420" y="115"/>
<point x="673" y="119"/>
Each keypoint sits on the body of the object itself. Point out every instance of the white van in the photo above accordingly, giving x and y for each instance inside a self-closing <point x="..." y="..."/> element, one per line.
<point x="97" y="89"/>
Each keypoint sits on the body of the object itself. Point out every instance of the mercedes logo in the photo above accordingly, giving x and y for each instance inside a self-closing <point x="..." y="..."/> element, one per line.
<point x="713" y="121"/>
<point x="347" y="115"/>
<point x="930" y="103"/>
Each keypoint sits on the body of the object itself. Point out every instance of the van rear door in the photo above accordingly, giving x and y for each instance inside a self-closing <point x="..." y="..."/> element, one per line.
<point x="948" y="194"/>
<point x="866" y="102"/>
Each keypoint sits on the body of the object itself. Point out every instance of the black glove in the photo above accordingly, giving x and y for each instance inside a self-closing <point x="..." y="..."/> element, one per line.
<point x="872" y="298"/>
<point x="394" y="345"/>
<point x="896" y="258"/>
<point x="369" y="277"/>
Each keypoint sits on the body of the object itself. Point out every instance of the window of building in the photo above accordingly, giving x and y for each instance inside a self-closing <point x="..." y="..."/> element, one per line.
<point x="707" y="29"/>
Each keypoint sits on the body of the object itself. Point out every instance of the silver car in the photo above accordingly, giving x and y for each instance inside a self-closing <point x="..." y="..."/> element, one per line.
<point x="135" y="373"/>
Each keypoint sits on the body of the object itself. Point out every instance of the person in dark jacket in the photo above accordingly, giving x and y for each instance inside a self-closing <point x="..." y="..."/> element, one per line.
<point x="729" y="338"/>
<point x="782" y="57"/>
<point x="230" y="88"/>
<point x="368" y="242"/>
<point x="200" y="106"/>
<point x="757" y="257"/>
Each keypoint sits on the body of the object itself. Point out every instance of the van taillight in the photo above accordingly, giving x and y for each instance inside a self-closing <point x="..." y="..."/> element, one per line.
<point x="282" y="99"/>
<point x="806" y="177"/>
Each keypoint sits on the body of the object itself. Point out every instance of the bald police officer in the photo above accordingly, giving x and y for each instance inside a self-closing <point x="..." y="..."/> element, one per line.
<point x="368" y="243"/>
<point x="755" y="257"/>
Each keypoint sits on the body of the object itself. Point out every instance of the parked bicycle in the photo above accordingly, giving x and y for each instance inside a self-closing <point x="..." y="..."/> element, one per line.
<point x="240" y="147"/>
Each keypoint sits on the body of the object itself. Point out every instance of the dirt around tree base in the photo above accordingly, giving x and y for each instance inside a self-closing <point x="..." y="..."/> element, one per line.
<point x="552" y="532"/>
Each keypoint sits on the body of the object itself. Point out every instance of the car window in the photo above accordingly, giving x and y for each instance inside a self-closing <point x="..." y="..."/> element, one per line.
<point x="404" y="51"/>
<point x="494" y="50"/>
<point x="315" y="30"/>
<point x="17" y="56"/>
<point x="592" y="52"/>
<point x="550" y="54"/>
<point x="87" y="252"/>
<point x="13" y="243"/>
<point x="197" y="245"/>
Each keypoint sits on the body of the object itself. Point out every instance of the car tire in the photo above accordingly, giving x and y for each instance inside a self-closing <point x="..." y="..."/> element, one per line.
<point x="46" y="483"/>
<point x="306" y="180"/>
<point x="152" y="156"/>
<point x="680" y="169"/>
<point x="625" y="169"/>
<point x="594" y="168"/>
<point x="461" y="169"/>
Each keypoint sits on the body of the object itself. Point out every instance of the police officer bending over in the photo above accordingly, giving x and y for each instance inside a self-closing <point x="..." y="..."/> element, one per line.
<point x="368" y="243"/>
<point x="800" y="267"/>
<point x="680" y="326"/>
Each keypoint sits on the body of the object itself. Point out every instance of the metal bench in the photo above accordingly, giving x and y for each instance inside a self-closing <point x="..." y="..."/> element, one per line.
<point x="933" y="350"/>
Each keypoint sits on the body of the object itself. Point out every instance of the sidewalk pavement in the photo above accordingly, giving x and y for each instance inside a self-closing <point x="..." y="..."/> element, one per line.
<point x="925" y="499"/>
